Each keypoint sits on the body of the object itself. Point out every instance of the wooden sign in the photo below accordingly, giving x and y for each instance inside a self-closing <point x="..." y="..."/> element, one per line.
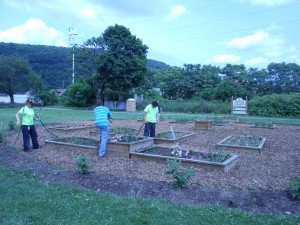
<point x="239" y="106"/>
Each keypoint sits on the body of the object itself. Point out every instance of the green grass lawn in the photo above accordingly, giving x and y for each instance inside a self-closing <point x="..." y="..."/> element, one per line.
<point x="52" y="115"/>
<point x="26" y="200"/>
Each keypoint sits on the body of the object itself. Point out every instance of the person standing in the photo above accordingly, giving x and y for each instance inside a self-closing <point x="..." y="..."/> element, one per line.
<point x="27" y="125"/>
<point x="159" y="109"/>
<point x="150" y="119"/>
<point x="103" y="117"/>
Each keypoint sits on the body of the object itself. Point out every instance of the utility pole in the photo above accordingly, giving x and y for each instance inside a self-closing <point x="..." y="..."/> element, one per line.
<point x="71" y="37"/>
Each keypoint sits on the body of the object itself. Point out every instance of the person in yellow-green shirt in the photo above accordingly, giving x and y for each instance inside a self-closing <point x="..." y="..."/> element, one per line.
<point x="27" y="125"/>
<point x="150" y="119"/>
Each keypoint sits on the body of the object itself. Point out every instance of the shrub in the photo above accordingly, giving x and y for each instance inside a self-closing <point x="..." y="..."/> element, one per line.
<point x="2" y="129"/>
<point x="48" y="97"/>
<point x="11" y="125"/>
<point x="294" y="187"/>
<point x="79" y="94"/>
<point x="180" y="174"/>
<point x="83" y="163"/>
<point x="284" y="105"/>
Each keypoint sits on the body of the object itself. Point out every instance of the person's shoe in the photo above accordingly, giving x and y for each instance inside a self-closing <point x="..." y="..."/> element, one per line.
<point x="102" y="156"/>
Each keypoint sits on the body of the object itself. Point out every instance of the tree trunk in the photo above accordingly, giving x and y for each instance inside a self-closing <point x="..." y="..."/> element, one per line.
<point x="12" y="100"/>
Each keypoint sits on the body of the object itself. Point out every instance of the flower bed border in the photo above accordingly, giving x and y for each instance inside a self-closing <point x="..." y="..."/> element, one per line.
<point x="72" y="147"/>
<point x="224" y="166"/>
<point x="238" y="147"/>
<point x="172" y="141"/>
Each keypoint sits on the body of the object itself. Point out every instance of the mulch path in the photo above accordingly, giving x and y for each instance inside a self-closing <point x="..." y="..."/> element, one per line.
<point x="258" y="183"/>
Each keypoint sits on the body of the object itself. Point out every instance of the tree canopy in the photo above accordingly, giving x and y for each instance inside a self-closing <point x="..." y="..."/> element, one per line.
<point x="16" y="75"/>
<point x="116" y="60"/>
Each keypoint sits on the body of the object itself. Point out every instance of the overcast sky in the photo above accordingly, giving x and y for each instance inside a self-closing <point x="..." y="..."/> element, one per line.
<point x="250" y="32"/>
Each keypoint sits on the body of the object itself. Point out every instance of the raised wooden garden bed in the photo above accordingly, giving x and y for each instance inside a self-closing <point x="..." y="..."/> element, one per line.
<point x="75" y="143"/>
<point x="203" y="124"/>
<point x="171" y="137"/>
<point x="62" y="129"/>
<point x="194" y="158"/>
<point x="263" y="125"/>
<point x="182" y="121"/>
<point x="122" y="146"/>
<point x="247" y="143"/>
<point x="116" y="131"/>
<point x="221" y="123"/>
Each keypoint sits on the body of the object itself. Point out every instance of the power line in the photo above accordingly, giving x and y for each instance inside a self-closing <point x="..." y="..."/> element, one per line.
<point x="201" y="7"/>
<point x="229" y="32"/>
<point x="222" y="19"/>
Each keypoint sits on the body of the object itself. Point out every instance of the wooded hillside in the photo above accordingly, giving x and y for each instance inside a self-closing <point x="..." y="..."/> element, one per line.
<point x="54" y="64"/>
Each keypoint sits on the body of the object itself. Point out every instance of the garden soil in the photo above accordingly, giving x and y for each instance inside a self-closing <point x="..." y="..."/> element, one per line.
<point x="257" y="184"/>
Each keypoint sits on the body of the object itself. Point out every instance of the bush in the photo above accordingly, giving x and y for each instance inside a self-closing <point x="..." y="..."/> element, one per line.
<point x="79" y="94"/>
<point x="83" y="163"/>
<point x="180" y="174"/>
<point x="194" y="106"/>
<point x="294" y="187"/>
<point x="11" y="125"/>
<point x="48" y="98"/>
<point x="275" y="105"/>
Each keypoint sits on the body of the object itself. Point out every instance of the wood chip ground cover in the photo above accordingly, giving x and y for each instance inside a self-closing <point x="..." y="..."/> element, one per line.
<point x="258" y="183"/>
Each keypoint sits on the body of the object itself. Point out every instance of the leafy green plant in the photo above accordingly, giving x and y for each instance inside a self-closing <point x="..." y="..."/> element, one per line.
<point x="129" y="137"/>
<point x="253" y="141"/>
<point x="181" y="175"/>
<point x="11" y="125"/>
<point x="83" y="163"/>
<point x="294" y="187"/>
<point x="122" y="130"/>
<point x="2" y="129"/>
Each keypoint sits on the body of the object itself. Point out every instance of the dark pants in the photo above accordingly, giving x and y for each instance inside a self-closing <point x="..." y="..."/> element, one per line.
<point x="149" y="129"/>
<point x="29" y="131"/>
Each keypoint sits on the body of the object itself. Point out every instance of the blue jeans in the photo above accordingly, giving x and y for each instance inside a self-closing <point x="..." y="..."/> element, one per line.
<point x="149" y="129"/>
<point x="29" y="132"/>
<point x="104" y="130"/>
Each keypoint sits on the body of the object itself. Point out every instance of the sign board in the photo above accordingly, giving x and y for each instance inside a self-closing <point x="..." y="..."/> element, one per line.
<point x="239" y="106"/>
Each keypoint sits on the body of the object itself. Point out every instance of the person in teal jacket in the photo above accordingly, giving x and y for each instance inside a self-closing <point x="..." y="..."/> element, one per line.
<point x="102" y="119"/>
<point x="27" y="125"/>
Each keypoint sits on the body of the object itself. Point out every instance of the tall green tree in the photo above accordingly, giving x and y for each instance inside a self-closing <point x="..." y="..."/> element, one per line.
<point x="285" y="77"/>
<point x="227" y="88"/>
<point x="260" y="82"/>
<point x="122" y="64"/>
<point x="16" y="76"/>
<point x="171" y="83"/>
<point x="236" y="73"/>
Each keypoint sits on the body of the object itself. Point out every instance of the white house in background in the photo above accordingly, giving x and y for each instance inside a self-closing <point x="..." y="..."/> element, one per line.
<point x="19" y="98"/>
